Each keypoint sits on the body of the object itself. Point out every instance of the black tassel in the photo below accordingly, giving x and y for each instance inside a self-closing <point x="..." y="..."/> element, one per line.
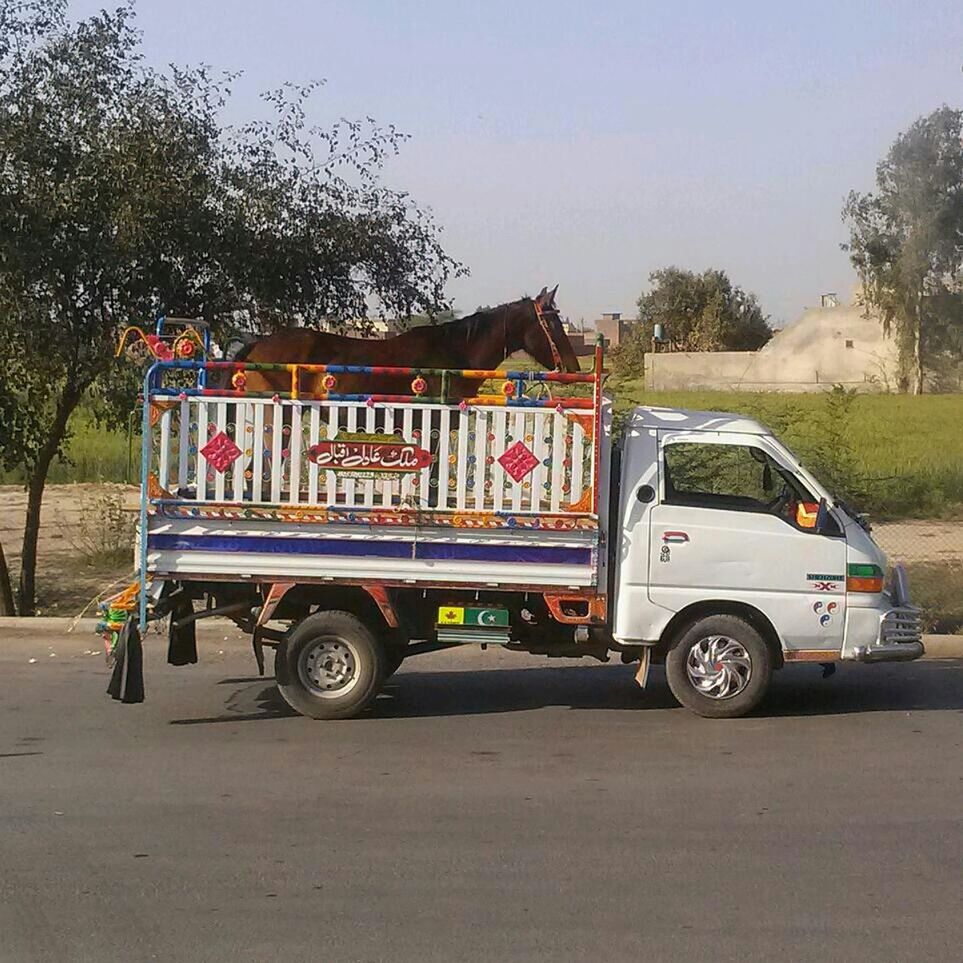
<point x="182" y="640"/>
<point x="127" y="679"/>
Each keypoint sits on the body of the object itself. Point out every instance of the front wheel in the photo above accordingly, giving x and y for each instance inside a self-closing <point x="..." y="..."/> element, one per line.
<point x="329" y="666"/>
<point x="720" y="667"/>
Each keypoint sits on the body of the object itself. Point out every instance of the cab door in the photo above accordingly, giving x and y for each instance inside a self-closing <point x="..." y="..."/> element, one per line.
<point x="724" y="529"/>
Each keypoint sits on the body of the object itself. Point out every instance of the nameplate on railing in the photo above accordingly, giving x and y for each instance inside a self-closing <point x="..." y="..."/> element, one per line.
<point x="364" y="455"/>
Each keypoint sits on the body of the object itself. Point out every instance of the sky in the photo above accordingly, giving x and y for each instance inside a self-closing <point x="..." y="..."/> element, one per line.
<point x="590" y="143"/>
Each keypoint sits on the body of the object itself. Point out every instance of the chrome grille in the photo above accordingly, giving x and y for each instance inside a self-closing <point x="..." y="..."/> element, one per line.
<point x="901" y="625"/>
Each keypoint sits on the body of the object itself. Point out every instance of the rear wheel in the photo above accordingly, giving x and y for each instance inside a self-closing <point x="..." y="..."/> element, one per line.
<point x="329" y="666"/>
<point x="720" y="667"/>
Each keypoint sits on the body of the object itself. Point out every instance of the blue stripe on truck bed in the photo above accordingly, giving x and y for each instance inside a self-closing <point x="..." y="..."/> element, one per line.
<point x="425" y="551"/>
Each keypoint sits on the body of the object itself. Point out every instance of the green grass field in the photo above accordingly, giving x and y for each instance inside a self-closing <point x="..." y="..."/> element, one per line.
<point x="896" y="456"/>
<point x="94" y="454"/>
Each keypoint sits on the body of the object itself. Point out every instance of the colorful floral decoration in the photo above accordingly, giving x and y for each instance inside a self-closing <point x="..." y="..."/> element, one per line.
<point x="321" y="514"/>
<point x="239" y="383"/>
<point x="138" y="350"/>
<point x="185" y="348"/>
<point x="114" y="613"/>
<point x="329" y="382"/>
<point x="158" y="348"/>
<point x="419" y="386"/>
<point x="220" y="452"/>
<point x="508" y="389"/>
<point x="518" y="461"/>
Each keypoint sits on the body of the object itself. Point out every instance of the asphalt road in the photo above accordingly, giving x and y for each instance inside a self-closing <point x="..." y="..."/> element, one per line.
<point x="541" y="811"/>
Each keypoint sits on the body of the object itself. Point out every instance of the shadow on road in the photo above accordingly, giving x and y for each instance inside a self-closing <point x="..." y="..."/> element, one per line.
<point x="252" y="702"/>
<point x="796" y="691"/>
<point x="908" y="687"/>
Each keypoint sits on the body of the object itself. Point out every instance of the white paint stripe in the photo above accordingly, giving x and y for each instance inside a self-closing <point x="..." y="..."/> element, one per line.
<point x="295" y="443"/>
<point x="461" y="464"/>
<point x="558" y="455"/>
<point x="406" y="429"/>
<point x="540" y="427"/>
<point x="349" y="485"/>
<point x="221" y="422"/>
<point x="368" y="484"/>
<point x="164" y="462"/>
<point x="424" y="481"/>
<point x="240" y="439"/>
<point x="578" y="461"/>
<point x="201" y="480"/>
<point x="257" y="442"/>
<point x="518" y="434"/>
<point x="184" y="442"/>
<point x="277" y="463"/>
<point x="387" y="485"/>
<point x="314" y="424"/>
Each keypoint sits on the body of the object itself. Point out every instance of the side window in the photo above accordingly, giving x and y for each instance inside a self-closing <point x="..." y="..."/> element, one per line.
<point x="717" y="476"/>
<point x="738" y="478"/>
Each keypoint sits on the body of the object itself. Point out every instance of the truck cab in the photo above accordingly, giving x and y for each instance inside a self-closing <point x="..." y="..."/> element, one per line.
<point x="720" y="525"/>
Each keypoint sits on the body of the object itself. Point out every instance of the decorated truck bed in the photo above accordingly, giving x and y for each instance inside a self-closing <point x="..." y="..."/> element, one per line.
<point x="404" y="489"/>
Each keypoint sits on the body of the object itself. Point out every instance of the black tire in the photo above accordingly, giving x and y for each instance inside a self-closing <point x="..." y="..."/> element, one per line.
<point x="329" y="666"/>
<point x="723" y="689"/>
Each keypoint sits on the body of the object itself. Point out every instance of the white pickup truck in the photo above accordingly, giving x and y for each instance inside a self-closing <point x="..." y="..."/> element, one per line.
<point x="350" y="533"/>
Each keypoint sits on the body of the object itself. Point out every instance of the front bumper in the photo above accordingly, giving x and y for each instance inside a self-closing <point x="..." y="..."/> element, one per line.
<point x="900" y="637"/>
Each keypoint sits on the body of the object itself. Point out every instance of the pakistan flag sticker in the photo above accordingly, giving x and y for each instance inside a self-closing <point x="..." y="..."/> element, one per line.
<point x="457" y="615"/>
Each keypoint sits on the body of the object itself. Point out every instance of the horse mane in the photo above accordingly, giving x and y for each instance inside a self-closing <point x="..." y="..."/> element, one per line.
<point x="471" y="324"/>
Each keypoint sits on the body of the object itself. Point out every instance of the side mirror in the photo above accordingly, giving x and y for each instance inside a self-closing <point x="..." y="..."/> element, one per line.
<point x="825" y="523"/>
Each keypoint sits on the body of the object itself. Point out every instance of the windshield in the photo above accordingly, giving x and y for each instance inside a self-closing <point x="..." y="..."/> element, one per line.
<point x="818" y="487"/>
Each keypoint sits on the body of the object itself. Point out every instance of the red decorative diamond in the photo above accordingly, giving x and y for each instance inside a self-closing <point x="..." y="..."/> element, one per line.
<point x="220" y="451"/>
<point x="518" y="461"/>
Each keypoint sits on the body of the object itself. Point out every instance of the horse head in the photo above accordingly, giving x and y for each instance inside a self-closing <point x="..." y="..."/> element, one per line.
<point x="544" y="338"/>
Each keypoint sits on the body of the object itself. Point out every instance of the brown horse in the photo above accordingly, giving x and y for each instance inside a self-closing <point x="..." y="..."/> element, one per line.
<point x="480" y="341"/>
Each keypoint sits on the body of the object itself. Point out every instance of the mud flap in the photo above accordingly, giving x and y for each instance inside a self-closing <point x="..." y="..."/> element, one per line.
<point x="127" y="679"/>
<point x="645" y="661"/>
<point x="182" y="639"/>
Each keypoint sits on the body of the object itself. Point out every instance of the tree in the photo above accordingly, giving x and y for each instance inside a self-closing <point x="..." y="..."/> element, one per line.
<point x="121" y="197"/>
<point x="698" y="312"/>
<point x="906" y="241"/>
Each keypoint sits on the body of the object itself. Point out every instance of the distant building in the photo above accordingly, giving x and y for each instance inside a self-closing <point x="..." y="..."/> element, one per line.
<point x="829" y="345"/>
<point x="613" y="328"/>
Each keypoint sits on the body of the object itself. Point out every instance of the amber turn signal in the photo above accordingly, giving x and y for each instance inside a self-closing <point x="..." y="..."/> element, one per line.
<point x="864" y="578"/>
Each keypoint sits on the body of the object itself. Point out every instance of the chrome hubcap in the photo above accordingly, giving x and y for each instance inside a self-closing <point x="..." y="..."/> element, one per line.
<point x="329" y="667"/>
<point x="718" y="667"/>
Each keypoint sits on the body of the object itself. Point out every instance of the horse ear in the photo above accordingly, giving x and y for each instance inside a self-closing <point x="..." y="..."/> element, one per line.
<point x="540" y="297"/>
<point x="551" y="296"/>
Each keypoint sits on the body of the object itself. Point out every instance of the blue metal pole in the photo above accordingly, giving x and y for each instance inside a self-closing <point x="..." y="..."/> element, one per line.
<point x="144" y="469"/>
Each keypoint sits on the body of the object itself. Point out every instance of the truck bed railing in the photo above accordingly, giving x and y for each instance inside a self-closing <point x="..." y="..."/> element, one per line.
<point x="498" y="461"/>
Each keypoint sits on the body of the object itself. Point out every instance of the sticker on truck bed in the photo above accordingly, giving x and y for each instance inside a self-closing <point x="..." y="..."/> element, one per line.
<point x="457" y="615"/>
